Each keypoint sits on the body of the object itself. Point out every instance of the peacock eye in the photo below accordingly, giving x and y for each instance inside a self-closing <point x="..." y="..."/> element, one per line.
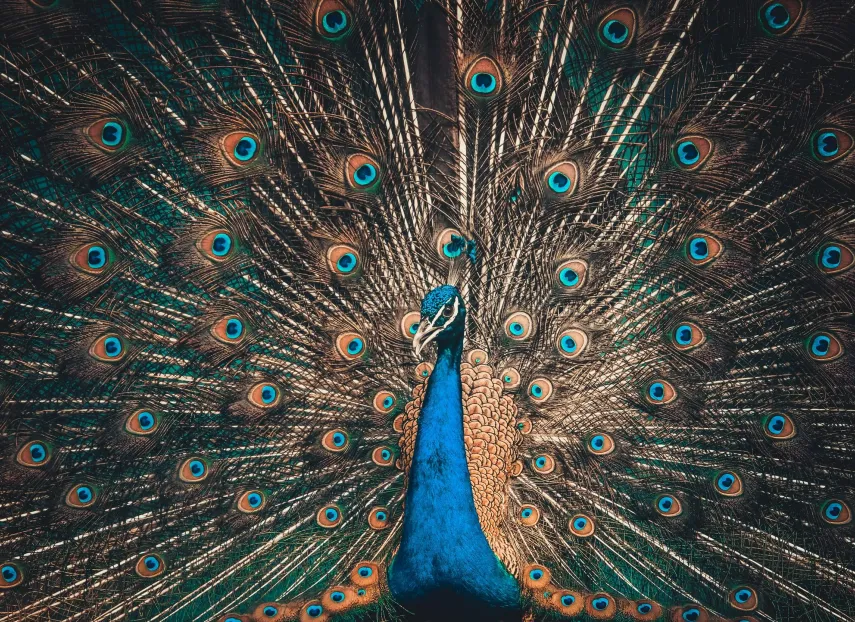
<point x="108" y="134"/>
<point x="571" y="343"/>
<point x="108" y="348"/>
<point x="524" y="425"/>
<point x="836" y="512"/>
<point x="779" y="16"/>
<point x="687" y="336"/>
<point x="571" y="274"/>
<point x="378" y="518"/>
<point x="601" y="602"/>
<point x="34" y="454"/>
<point x="540" y="390"/>
<point x="582" y="526"/>
<point x="601" y="444"/>
<point x="216" y="245"/>
<point x="690" y="152"/>
<point x="423" y="371"/>
<point x="644" y="608"/>
<point x="567" y="600"/>
<point x="333" y="20"/>
<point x="240" y="148"/>
<point x="450" y="244"/>
<point x="384" y="401"/>
<point x="150" y="565"/>
<point x="617" y="29"/>
<point x="543" y="464"/>
<point x="80" y="496"/>
<point x="824" y="346"/>
<point x="834" y="257"/>
<point x="92" y="258"/>
<point x="270" y="611"/>
<point x="519" y="326"/>
<point x="362" y="172"/>
<point x="251" y="501"/>
<point x="329" y="516"/>
<point x="335" y="440"/>
<point x="779" y="427"/>
<point x="562" y="179"/>
<point x="264" y="395"/>
<point x="743" y="598"/>
<point x="142" y="423"/>
<point x="382" y="456"/>
<point x="343" y="260"/>
<point x="703" y="248"/>
<point x="477" y="357"/>
<point x="483" y="78"/>
<point x="668" y="505"/>
<point x="350" y="345"/>
<point x="691" y="614"/>
<point x="229" y="330"/>
<point x="510" y="378"/>
<point x="660" y="392"/>
<point x="193" y="470"/>
<point x="535" y="574"/>
<point x="529" y="515"/>
<point x="728" y="484"/>
<point x="10" y="575"/>
<point x="831" y="144"/>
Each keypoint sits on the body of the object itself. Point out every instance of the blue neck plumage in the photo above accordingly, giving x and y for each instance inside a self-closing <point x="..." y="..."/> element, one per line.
<point x="443" y="548"/>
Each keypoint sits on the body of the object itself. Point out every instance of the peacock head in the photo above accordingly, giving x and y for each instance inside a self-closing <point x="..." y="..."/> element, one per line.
<point x="443" y="318"/>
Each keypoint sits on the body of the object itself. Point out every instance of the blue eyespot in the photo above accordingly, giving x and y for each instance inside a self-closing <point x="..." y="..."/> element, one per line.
<point x="245" y="149"/>
<point x="96" y="257"/>
<point x="339" y="439"/>
<point x="346" y="263"/>
<point x="568" y="344"/>
<point x="833" y="510"/>
<point x="692" y="614"/>
<point x="559" y="182"/>
<point x="37" y="452"/>
<point x="827" y="145"/>
<point x="567" y="600"/>
<point x="197" y="468"/>
<point x="112" y="133"/>
<point x="112" y="347"/>
<point x="644" y="608"/>
<point x="831" y="257"/>
<point x="580" y="523"/>
<point x="84" y="494"/>
<point x="598" y="442"/>
<point x="386" y="455"/>
<point x="145" y="420"/>
<point x="360" y="592"/>
<point x="10" y="575"/>
<point x="355" y="346"/>
<point x="742" y="596"/>
<point x="254" y="499"/>
<point x="483" y="83"/>
<point x="820" y="345"/>
<point x="516" y="328"/>
<point x="536" y="574"/>
<point x="365" y="175"/>
<point x="365" y="571"/>
<point x="337" y="597"/>
<point x="221" y="245"/>
<point x="688" y="153"/>
<point x="313" y="611"/>
<point x="381" y="516"/>
<point x="725" y="482"/>
<point x="615" y="32"/>
<point x="527" y="512"/>
<point x="234" y="328"/>
<point x="230" y="619"/>
<point x="536" y="390"/>
<point x="698" y="248"/>
<point x="776" y="424"/>
<point x="540" y="462"/>
<point x="331" y="514"/>
<point x="388" y="402"/>
<point x="665" y="503"/>
<point x="568" y="277"/>
<point x="683" y="334"/>
<point x="600" y="604"/>
<point x="270" y="611"/>
<point x="268" y="394"/>
<point x="334" y="22"/>
<point x="656" y="391"/>
<point x="776" y="16"/>
<point x="152" y="563"/>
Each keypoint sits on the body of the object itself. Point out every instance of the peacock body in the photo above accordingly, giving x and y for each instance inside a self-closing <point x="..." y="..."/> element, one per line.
<point x="432" y="309"/>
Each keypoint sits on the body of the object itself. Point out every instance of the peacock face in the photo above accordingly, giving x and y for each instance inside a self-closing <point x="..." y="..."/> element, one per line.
<point x="443" y="316"/>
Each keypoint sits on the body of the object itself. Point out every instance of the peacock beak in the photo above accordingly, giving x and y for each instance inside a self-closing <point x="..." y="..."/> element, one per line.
<point x="426" y="333"/>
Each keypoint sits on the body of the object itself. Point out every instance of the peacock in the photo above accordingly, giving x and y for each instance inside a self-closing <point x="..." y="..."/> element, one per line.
<point x="439" y="310"/>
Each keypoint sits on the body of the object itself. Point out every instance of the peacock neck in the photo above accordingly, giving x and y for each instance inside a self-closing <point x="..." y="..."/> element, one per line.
<point x="443" y="550"/>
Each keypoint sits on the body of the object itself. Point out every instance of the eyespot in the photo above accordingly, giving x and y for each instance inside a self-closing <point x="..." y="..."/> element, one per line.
<point x="483" y="78"/>
<point x="540" y="390"/>
<point x="477" y="357"/>
<point x="378" y="518"/>
<point x="450" y="244"/>
<point x="333" y="20"/>
<point x="571" y="274"/>
<point x="193" y="470"/>
<point x="824" y="346"/>
<point x="270" y="611"/>
<point x="338" y="598"/>
<point x="251" y="501"/>
<point x="561" y="179"/>
<point x="831" y="144"/>
<point x="93" y="258"/>
<point x="601" y="605"/>
<point x="335" y="440"/>
<point x="232" y="617"/>
<point x="362" y="172"/>
<point x="836" y="512"/>
<point x="108" y="134"/>
<point x="34" y="454"/>
<point x="660" y="392"/>
<point x="241" y="148"/>
<point x="702" y="248"/>
<point x="834" y="258"/>
<point x="582" y="526"/>
<point x="150" y="565"/>
<point x="529" y="515"/>
<point x="313" y="610"/>
<point x="524" y="425"/>
<point x="690" y="152"/>
<point x="543" y="464"/>
<point x="571" y="343"/>
<point x="600" y="444"/>
<point x="668" y="505"/>
<point x="779" y="427"/>
<point x="423" y="371"/>
<point x="81" y="496"/>
<point x="617" y="29"/>
<point x="365" y="574"/>
<point x="687" y="336"/>
<point x="384" y="401"/>
<point x="10" y="575"/>
<point x="743" y="598"/>
<point x="264" y="395"/>
<point x="778" y="17"/>
<point x="343" y="260"/>
<point x="350" y="345"/>
<point x="329" y="516"/>
<point x="728" y="484"/>
<point x="229" y="329"/>
<point x="536" y="576"/>
<point x="216" y="245"/>
<point x="410" y="324"/>
<point x="510" y="378"/>
<point x="142" y="422"/>
<point x="646" y="610"/>
<point x="692" y="613"/>
<point x="383" y="456"/>
<point x="519" y="326"/>
<point x="108" y="348"/>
